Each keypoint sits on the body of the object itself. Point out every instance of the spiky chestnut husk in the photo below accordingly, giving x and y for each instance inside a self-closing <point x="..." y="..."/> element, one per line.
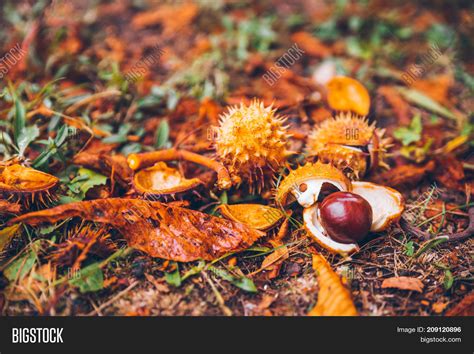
<point x="350" y="143"/>
<point x="27" y="186"/>
<point x="81" y="241"/>
<point x="251" y="141"/>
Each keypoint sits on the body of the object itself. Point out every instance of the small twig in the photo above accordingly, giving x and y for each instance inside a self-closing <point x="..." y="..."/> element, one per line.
<point x="138" y="161"/>
<point x="468" y="232"/>
<point x="96" y="308"/>
<point x="447" y="211"/>
<point x="458" y="236"/>
<point x="218" y="295"/>
<point x="112" y="300"/>
<point x="91" y="98"/>
<point x="412" y="229"/>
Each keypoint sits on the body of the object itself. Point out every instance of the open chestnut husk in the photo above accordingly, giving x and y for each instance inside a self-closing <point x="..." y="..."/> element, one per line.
<point x="346" y="217"/>
<point x="309" y="183"/>
<point x="340" y="221"/>
<point x="163" y="182"/>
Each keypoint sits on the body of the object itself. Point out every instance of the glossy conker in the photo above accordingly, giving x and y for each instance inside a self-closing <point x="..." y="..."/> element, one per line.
<point x="346" y="217"/>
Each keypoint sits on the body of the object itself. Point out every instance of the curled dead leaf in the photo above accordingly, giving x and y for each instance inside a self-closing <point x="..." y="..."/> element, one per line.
<point x="311" y="45"/>
<point x="398" y="104"/>
<point x="404" y="175"/>
<point x="173" y="18"/>
<point x="403" y="283"/>
<point x="463" y="308"/>
<point x="6" y="234"/>
<point x="158" y="229"/>
<point x="439" y="307"/>
<point x="277" y="256"/>
<point x="333" y="298"/>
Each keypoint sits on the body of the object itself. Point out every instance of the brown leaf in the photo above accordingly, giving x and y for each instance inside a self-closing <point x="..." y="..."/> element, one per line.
<point x="277" y="239"/>
<point x="398" y="104"/>
<point x="333" y="298"/>
<point x="404" y="175"/>
<point x="403" y="283"/>
<point x="209" y="111"/>
<point x="450" y="173"/>
<point x="439" y="307"/>
<point x="161" y="230"/>
<point x="173" y="18"/>
<point x="9" y="208"/>
<point x="267" y="301"/>
<point x="311" y="45"/>
<point x="464" y="308"/>
<point x="436" y="87"/>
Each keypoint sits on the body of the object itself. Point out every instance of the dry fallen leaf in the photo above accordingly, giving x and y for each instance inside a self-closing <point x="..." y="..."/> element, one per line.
<point x="173" y="18"/>
<point x="281" y="253"/>
<point x="161" y="230"/>
<point x="6" y="234"/>
<point x="436" y="87"/>
<point x="450" y="172"/>
<point x="35" y="287"/>
<point x="333" y="298"/>
<point x="311" y="45"/>
<point x="439" y="307"/>
<point x="404" y="175"/>
<point x="403" y="283"/>
<point x="463" y="308"/>
<point x="9" y="208"/>
<point x="398" y="104"/>
<point x="256" y="216"/>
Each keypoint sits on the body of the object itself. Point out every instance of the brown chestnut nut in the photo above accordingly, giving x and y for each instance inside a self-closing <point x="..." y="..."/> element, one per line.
<point x="346" y="217"/>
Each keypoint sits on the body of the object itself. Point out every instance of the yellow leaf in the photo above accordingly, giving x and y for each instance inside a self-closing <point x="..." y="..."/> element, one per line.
<point x="333" y="298"/>
<point x="279" y="255"/>
<point x="455" y="143"/>
<point x="256" y="216"/>
<point x="7" y="234"/>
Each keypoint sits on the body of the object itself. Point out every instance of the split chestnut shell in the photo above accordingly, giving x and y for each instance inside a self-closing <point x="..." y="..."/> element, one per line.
<point x="307" y="184"/>
<point x="161" y="180"/>
<point x="387" y="206"/>
<point x="27" y="185"/>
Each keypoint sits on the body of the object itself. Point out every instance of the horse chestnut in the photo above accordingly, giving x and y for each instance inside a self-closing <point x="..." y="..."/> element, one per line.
<point x="346" y="217"/>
